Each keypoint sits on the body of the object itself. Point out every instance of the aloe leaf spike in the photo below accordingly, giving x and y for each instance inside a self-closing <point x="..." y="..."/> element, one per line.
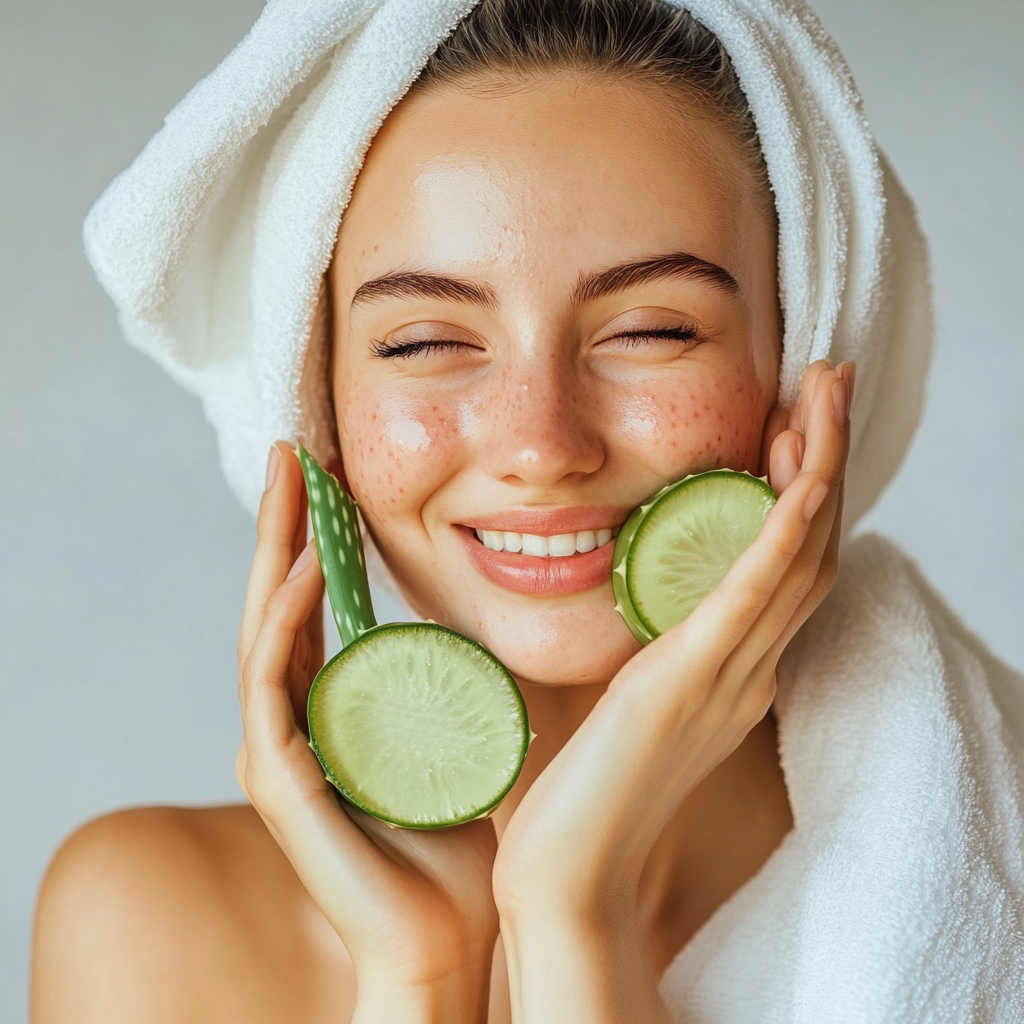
<point x="340" y="548"/>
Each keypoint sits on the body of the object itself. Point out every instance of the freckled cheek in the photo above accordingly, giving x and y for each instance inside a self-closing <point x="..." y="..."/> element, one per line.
<point x="690" y="428"/>
<point x="397" y="452"/>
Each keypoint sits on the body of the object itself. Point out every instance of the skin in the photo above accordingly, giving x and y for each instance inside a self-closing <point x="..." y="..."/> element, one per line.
<point x="654" y="790"/>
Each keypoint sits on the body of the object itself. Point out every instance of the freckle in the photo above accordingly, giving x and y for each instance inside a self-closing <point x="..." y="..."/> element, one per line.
<point x="672" y="425"/>
<point x="719" y="437"/>
<point x="433" y="408"/>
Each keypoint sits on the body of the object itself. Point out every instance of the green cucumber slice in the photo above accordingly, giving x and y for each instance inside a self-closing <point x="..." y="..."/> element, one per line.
<point x="681" y="545"/>
<point x="418" y="725"/>
<point x="412" y="722"/>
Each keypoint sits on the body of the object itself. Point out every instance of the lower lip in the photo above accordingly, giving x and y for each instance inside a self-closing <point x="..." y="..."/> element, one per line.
<point x="529" y="574"/>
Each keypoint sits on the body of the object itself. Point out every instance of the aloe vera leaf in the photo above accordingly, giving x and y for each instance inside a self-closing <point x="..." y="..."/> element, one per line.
<point x="340" y="548"/>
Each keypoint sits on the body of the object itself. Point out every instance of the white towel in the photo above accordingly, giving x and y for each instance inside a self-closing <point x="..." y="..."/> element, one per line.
<point x="213" y="244"/>
<point x="898" y="898"/>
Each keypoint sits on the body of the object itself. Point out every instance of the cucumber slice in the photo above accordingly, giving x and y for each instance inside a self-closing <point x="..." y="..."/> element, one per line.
<point x="681" y="545"/>
<point x="418" y="726"/>
<point x="412" y="722"/>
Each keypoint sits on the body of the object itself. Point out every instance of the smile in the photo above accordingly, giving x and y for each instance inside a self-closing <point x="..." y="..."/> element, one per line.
<point x="554" y="559"/>
<point x="560" y="545"/>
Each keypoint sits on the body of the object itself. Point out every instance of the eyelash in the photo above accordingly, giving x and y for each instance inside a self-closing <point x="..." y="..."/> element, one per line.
<point x="405" y="349"/>
<point x="633" y="339"/>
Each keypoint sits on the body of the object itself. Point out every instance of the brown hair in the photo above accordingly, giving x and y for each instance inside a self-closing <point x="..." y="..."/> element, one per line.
<point x="506" y="41"/>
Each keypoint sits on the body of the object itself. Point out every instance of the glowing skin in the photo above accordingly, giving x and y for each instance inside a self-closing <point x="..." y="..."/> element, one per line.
<point x="539" y="413"/>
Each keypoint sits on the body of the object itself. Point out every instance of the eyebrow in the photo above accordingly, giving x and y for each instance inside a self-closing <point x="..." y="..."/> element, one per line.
<point x="418" y="284"/>
<point x="627" y="275"/>
<point x="412" y="284"/>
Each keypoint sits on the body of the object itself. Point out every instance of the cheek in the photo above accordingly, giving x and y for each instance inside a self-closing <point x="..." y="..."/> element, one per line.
<point x="398" y="450"/>
<point x="703" y="420"/>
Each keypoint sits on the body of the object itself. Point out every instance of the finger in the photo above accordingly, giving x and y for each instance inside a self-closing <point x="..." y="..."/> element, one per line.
<point x="811" y="574"/>
<point x="268" y="717"/>
<point x="778" y="420"/>
<point x="798" y="414"/>
<point x="279" y="523"/>
<point x="786" y="455"/>
<point x="724" y="617"/>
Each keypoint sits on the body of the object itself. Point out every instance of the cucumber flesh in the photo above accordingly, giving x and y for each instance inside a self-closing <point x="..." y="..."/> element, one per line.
<point x="412" y="722"/>
<point x="418" y="725"/>
<point x="684" y="542"/>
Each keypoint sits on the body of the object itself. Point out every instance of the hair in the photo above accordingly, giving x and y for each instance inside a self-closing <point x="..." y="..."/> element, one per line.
<point x="505" y="42"/>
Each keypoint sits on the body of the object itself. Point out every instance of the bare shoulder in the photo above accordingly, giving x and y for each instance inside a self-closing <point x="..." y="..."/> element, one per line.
<point x="170" y="914"/>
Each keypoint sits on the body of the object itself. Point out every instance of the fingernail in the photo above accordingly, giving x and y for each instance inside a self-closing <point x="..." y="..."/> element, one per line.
<point x="815" y="496"/>
<point x="307" y="556"/>
<point x="273" y="461"/>
<point x="841" y="402"/>
<point x="851" y="377"/>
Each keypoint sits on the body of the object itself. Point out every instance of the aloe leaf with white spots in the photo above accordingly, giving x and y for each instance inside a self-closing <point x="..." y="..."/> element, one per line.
<point x="339" y="545"/>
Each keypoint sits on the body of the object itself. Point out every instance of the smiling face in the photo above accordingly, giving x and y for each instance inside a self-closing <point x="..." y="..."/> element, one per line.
<point x="548" y="303"/>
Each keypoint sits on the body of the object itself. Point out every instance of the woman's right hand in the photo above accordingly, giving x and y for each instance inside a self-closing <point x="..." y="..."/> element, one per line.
<point x="414" y="909"/>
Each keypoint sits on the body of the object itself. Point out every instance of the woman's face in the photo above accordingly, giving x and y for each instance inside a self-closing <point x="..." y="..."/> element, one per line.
<point x="548" y="303"/>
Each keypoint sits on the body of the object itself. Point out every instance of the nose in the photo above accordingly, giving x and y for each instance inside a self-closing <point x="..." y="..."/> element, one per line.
<point x="542" y="430"/>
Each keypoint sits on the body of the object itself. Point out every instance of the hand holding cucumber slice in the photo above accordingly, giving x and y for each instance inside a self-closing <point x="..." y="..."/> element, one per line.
<point x="412" y="722"/>
<point x="675" y="549"/>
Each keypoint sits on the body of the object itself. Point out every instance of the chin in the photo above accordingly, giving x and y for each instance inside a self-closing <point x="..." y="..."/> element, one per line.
<point x="558" y="649"/>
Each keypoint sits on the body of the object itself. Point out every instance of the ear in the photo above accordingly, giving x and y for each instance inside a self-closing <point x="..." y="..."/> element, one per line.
<point x="775" y="424"/>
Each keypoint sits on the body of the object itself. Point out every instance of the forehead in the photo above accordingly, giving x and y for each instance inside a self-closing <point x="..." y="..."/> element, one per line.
<point x="556" y="175"/>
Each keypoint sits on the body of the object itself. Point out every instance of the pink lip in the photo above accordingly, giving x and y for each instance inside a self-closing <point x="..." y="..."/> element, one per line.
<point x="528" y="574"/>
<point x="548" y="522"/>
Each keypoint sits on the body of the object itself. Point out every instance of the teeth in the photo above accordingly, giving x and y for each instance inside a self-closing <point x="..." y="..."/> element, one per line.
<point x="586" y="541"/>
<point x="559" y="546"/>
<point x="534" y="545"/>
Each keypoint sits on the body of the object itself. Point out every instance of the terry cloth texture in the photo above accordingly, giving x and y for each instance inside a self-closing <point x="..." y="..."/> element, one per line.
<point x="898" y="897"/>
<point x="214" y="243"/>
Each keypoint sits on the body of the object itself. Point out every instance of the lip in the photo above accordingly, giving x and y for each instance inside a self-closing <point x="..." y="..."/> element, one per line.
<point x="548" y="522"/>
<point x="528" y="574"/>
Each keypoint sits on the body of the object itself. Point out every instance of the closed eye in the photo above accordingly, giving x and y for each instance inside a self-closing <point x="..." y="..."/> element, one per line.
<point x="406" y="349"/>
<point x="637" y="338"/>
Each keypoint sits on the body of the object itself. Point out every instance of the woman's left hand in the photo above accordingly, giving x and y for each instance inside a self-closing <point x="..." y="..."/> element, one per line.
<point x="569" y="863"/>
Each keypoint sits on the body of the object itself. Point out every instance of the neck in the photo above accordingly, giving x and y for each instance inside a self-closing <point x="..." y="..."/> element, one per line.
<point x="723" y="832"/>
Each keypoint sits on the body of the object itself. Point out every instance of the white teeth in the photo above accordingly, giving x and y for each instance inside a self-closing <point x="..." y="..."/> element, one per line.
<point x="534" y="545"/>
<point x="586" y="541"/>
<point x="561" y="545"/>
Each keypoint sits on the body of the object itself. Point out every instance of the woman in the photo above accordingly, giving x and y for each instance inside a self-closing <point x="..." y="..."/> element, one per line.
<point x="555" y="289"/>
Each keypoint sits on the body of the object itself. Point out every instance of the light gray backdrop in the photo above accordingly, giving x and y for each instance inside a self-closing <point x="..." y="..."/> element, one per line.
<point x="123" y="557"/>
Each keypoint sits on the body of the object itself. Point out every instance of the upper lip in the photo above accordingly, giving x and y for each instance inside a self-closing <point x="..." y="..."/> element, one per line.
<point x="549" y="522"/>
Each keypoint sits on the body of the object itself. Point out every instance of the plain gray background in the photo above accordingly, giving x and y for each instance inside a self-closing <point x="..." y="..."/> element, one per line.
<point x="123" y="557"/>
